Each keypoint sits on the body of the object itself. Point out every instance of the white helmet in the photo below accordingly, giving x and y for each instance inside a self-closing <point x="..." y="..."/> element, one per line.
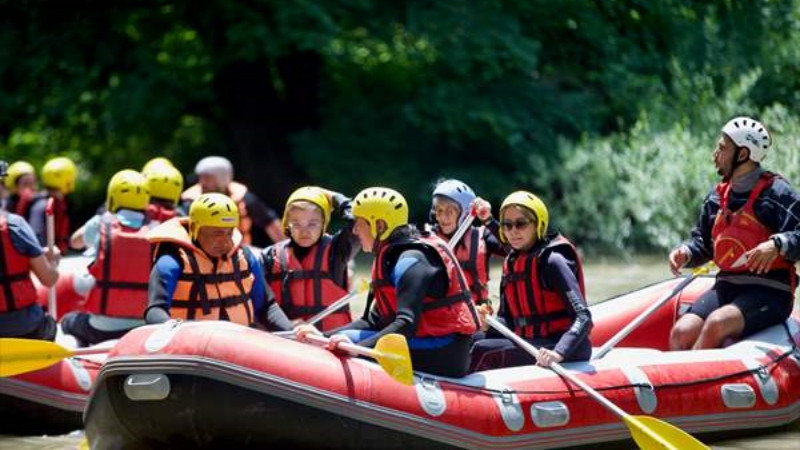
<point x="216" y="165"/>
<point x="749" y="133"/>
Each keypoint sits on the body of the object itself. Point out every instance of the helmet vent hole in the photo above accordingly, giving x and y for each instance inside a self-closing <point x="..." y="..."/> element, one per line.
<point x="358" y="202"/>
<point x="215" y="213"/>
<point x="383" y="194"/>
<point x="398" y="206"/>
<point x="391" y="199"/>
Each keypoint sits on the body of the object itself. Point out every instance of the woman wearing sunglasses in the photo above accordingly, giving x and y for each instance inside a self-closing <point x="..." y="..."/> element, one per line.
<point x="542" y="292"/>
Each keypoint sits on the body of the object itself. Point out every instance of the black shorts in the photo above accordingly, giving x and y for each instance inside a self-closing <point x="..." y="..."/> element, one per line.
<point x="46" y="330"/>
<point x="77" y="324"/>
<point x="761" y="306"/>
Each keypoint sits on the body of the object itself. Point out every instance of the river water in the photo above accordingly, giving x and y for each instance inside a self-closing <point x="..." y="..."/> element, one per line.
<point x="604" y="278"/>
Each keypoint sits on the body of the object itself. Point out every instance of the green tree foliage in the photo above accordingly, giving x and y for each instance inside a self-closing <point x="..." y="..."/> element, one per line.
<point x="608" y="109"/>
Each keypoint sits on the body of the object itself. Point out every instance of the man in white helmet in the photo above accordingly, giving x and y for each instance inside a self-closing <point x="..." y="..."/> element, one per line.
<point x="215" y="174"/>
<point x="750" y="227"/>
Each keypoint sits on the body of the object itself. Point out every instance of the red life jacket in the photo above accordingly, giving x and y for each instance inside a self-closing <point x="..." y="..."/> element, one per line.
<point x="236" y="191"/>
<point x="304" y="288"/>
<point x="20" y="202"/>
<point x="159" y="213"/>
<point x="121" y="270"/>
<point x="734" y="233"/>
<point x="453" y="313"/>
<point x="60" y="218"/>
<point x="16" y="287"/>
<point x="471" y="254"/>
<point x="537" y="312"/>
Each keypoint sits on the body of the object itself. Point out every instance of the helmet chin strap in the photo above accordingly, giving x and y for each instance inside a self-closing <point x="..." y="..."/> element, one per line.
<point x="735" y="163"/>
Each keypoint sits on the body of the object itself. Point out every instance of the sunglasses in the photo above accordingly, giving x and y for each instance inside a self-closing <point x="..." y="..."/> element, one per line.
<point x="520" y="224"/>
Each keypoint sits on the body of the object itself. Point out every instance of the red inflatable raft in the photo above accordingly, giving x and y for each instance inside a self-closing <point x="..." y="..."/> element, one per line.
<point x="48" y="401"/>
<point x="213" y="384"/>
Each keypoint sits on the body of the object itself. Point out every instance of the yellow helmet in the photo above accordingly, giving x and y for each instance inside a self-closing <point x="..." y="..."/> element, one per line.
<point x="15" y="171"/>
<point x="59" y="173"/>
<point x="530" y="202"/>
<point x="212" y="210"/>
<point x="380" y="203"/>
<point x="311" y="194"/>
<point x="165" y="182"/>
<point x="127" y="189"/>
<point x="158" y="161"/>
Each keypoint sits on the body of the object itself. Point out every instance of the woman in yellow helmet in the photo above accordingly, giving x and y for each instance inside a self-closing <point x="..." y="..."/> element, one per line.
<point x="121" y="268"/>
<point x="309" y="270"/>
<point x="58" y="178"/>
<point x="418" y="288"/>
<point x="542" y="293"/>
<point x="21" y="185"/>
<point x="166" y="184"/>
<point x="22" y="256"/>
<point x="202" y="272"/>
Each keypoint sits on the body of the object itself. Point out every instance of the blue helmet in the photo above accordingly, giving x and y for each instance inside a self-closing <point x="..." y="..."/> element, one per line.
<point x="458" y="192"/>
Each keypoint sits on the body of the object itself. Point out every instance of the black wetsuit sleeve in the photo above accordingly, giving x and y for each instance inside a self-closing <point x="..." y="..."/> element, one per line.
<point x="345" y="244"/>
<point x="491" y="235"/>
<point x="161" y="286"/>
<point x="779" y="209"/>
<point x="271" y="315"/>
<point x="559" y="276"/>
<point x="700" y="243"/>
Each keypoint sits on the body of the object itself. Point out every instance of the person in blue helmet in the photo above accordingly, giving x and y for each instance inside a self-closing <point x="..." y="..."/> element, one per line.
<point x="452" y="205"/>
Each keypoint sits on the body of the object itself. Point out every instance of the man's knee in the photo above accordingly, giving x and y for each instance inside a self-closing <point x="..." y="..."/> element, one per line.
<point x="724" y="322"/>
<point x="685" y="332"/>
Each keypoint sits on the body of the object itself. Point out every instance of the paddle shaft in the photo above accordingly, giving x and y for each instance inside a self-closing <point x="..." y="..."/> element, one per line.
<point x="462" y="228"/>
<point x="350" y="348"/>
<point x="623" y="333"/>
<point x="533" y="351"/>
<point x="332" y="308"/>
<point x="50" y="225"/>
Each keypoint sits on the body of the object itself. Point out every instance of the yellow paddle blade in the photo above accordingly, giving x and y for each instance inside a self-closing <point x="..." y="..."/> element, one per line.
<point x="26" y="355"/>
<point x="392" y="355"/>
<point x="363" y="285"/>
<point x="653" y="434"/>
<point x="84" y="445"/>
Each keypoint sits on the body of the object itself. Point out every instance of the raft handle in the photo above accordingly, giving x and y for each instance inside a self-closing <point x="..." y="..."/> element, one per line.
<point x="147" y="386"/>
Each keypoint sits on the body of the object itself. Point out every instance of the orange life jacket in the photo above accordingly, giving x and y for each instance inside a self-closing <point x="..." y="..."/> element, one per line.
<point x="734" y="233"/>
<point x="121" y="270"/>
<point x="472" y="256"/>
<point x="536" y="311"/>
<point x="453" y="313"/>
<point x="236" y="191"/>
<point x="304" y="288"/>
<point x="16" y="287"/>
<point x="207" y="289"/>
